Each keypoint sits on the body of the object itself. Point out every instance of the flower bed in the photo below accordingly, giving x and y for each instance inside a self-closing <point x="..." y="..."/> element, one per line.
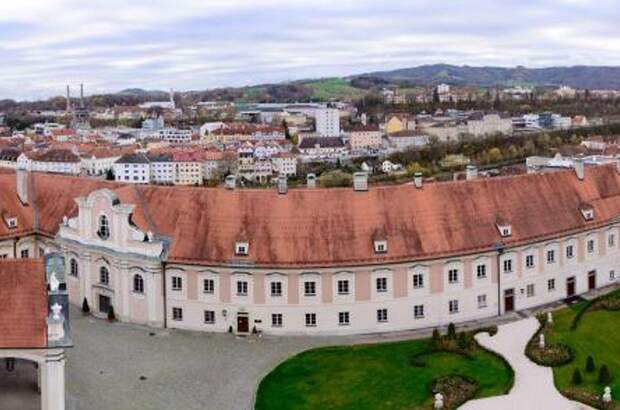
<point x="456" y="389"/>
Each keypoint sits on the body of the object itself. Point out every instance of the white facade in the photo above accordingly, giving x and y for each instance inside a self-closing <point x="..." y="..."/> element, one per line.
<point x="175" y="136"/>
<point x="134" y="173"/>
<point x="327" y="122"/>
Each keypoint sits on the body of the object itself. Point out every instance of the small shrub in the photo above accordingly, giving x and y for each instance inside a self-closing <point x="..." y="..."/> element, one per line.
<point x="85" y="307"/>
<point x="456" y="389"/>
<point x="451" y="331"/>
<point x="603" y="375"/>
<point x="436" y="335"/>
<point x="590" y="364"/>
<point x="230" y="329"/>
<point x="111" y="315"/>
<point x="463" y="341"/>
<point x="577" y="379"/>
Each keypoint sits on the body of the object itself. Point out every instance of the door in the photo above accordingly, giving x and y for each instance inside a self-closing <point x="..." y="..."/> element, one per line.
<point x="104" y="304"/>
<point x="509" y="300"/>
<point x="243" y="324"/>
<point x="592" y="280"/>
<point x="570" y="287"/>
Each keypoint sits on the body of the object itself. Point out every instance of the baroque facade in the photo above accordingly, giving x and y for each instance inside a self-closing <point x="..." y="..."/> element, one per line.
<point x="322" y="261"/>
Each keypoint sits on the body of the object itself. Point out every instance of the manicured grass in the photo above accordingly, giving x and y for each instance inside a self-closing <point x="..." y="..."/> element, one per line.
<point x="596" y="335"/>
<point x="377" y="376"/>
<point x="333" y="88"/>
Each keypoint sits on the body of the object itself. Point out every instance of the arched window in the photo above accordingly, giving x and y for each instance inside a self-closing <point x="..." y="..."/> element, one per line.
<point x="104" y="227"/>
<point x="73" y="268"/>
<point x="138" y="284"/>
<point x="104" y="276"/>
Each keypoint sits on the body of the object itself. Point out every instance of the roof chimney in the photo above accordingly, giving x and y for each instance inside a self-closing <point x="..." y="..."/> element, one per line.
<point x="282" y="185"/>
<point x="231" y="181"/>
<point x="579" y="168"/>
<point x="68" y="98"/>
<point x="81" y="96"/>
<point x="471" y="172"/>
<point x="311" y="181"/>
<point x="360" y="182"/>
<point x="417" y="180"/>
<point x="22" y="185"/>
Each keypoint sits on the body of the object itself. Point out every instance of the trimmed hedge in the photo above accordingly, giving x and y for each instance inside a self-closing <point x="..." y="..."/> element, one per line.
<point x="456" y="389"/>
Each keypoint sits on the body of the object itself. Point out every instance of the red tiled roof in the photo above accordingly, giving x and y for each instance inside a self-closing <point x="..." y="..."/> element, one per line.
<point x="23" y="304"/>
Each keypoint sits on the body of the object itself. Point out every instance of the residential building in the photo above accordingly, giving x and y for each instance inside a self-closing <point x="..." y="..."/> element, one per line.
<point x="284" y="163"/>
<point x="175" y="135"/>
<point x="327" y="122"/>
<point x="403" y="140"/>
<point x="364" y="137"/>
<point x="399" y="122"/>
<point x="60" y="161"/>
<point x="322" y="147"/>
<point x="133" y="169"/>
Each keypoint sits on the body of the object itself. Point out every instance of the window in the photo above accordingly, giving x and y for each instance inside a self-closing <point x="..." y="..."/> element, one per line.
<point x="276" y="289"/>
<point x="25" y="253"/>
<point x="104" y="276"/>
<point x="482" y="301"/>
<point x="570" y="251"/>
<point x="73" y="268"/>
<point x="310" y="288"/>
<point x="550" y="256"/>
<point x="104" y="227"/>
<point x="453" y="306"/>
<point x="208" y="286"/>
<point x="138" y="284"/>
<point x="382" y="315"/>
<point x="418" y="312"/>
<point x="508" y="266"/>
<point x="611" y="240"/>
<point x="242" y="288"/>
<point x="177" y="283"/>
<point x="381" y="284"/>
<point x="591" y="246"/>
<point x="343" y="287"/>
<point x="241" y="248"/>
<point x="380" y="246"/>
<point x="177" y="313"/>
<point x="481" y="271"/>
<point x="530" y="290"/>
<point x="344" y="318"/>
<point x="310" y="319"/>
<point x="276" y="320"/>
<point x="529" y="261"/>
<point x="209" y="317"/>
<point x="418" y="281"/>
<point x="453" y="276"/>
<point x="551" y="285"/>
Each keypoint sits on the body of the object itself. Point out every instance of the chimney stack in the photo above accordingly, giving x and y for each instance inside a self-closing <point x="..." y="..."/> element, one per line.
<point x="579" y="168"/>
<point x="418" y="180"/>
<point x="81" y="96"/>
<point x="22" y="185"/>
<point x="68" y="98"/>
<point x="231" y="181"/>
<point x="471" y="172"/>
<point x="282" y="185"/>
<point x="360" y="182"/>
<point x="311" y="181"/>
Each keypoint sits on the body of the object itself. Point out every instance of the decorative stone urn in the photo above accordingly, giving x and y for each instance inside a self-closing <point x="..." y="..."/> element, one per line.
<point x="438" y="401"/>
<point x="607" y="395"/>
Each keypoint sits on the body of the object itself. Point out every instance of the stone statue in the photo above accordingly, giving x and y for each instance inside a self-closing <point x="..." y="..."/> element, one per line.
<point x="56" y="309"/>
<point x="438" y="401"/>
<point x="541" y="341"/>
<point x="54" y="283"/>
<point x="607" y="395"/>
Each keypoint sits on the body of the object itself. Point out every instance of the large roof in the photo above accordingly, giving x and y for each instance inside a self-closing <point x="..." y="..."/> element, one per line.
<point x="23" y="304"/>
<point x="335" y="227"/>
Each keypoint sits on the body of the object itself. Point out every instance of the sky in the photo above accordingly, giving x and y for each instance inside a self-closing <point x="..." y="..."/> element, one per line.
<point x="110" y="45"/>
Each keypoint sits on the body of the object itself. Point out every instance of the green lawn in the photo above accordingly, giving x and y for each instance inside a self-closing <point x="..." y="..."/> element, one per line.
<point x="596" y="335"/>
<point x="377" y="376"/>
<point x="333" y="88"/>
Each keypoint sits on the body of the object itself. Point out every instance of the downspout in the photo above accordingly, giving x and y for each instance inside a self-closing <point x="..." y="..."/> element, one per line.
<point x="499" y="247"/>
<point x="15" y="248"/>
<point x="163" y="271"/>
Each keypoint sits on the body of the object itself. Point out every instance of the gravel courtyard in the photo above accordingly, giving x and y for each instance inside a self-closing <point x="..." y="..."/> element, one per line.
<point x="120" y="366"/>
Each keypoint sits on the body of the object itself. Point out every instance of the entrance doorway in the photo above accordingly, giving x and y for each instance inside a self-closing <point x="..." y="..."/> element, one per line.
<point x="104" y="304"/>
<point x="570" y="287"/>
<point x="509" y="300"/>
<point x="592" y="280"/>
<point x="243" y="323"/>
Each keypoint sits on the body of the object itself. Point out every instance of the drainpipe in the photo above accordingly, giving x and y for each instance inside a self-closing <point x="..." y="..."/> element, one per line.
<point x="15" y="248"/>
<point x="499" y="247"/>
<point x="163" y="270"/>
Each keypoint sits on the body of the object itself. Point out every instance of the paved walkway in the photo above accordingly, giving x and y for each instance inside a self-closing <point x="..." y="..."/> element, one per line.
<point x="533" y="388"/>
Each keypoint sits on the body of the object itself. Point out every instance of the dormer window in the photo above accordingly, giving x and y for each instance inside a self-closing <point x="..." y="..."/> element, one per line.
<point x="504" y="230"/>
<point x="11" y="222"/>
<point x="587" y="211"/>
<point x="242" y="248"/>
<point x="381" y="246"/>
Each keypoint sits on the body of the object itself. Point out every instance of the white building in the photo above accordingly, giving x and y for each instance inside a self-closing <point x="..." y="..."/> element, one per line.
<point x="327" y="122"/>
<point x="133" y="168"/>
<point x="175" y="135"/>
<point x="58" y="161"/>
<point x="284" y="163"/>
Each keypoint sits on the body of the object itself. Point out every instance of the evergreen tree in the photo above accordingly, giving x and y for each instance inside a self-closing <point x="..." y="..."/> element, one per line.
<point x="577" y="379"/>
<point x="451" y="331"/>
<point x="603" y="375"/>
<point x="590" y="364"/>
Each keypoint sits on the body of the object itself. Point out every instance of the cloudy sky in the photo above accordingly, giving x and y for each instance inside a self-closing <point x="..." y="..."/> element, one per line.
<point x="197" y="44"/>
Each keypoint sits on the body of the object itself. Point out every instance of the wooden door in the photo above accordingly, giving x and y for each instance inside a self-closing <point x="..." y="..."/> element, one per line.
<point x="591" y="280"/>
<point x="509" y="300"/>
<point x="243" y="324"/>
<point x="570" y="287"/>
<point x="104" y="304"/>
